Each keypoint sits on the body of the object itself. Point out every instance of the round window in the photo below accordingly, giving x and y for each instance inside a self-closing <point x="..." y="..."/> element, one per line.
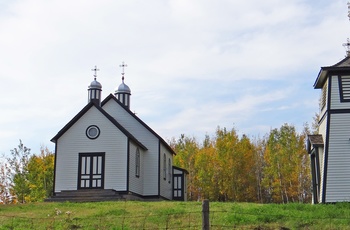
<point x="92" y="132"/>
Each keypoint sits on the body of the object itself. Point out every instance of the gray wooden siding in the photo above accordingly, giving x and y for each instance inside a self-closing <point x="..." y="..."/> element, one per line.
<point x="338" y="176"/>
<point x="166" y="188"/>
<point x="335" y="96"/>
<point x="150" y="157"/>
<point x="135" y="183"/>
<point x="111" y="141"/>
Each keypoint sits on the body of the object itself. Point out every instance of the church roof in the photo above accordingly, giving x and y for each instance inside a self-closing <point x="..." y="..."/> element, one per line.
<point x="316" y="140"/>
<point x="111" y="97"/>
<point x="342" y="66"/>
<point x="109" y="117"/>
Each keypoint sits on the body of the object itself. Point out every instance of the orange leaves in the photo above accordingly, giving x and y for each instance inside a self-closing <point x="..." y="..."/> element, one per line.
<point x="232" y="168"/>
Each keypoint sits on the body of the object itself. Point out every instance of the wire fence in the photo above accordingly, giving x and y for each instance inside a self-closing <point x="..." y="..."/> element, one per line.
<point x="188" y="220"/>
<point x="193" y="220"/>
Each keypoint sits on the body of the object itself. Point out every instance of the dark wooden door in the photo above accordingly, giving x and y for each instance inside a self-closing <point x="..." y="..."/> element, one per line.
<point x="91" y="170"/>
<point x="178" y="189"/>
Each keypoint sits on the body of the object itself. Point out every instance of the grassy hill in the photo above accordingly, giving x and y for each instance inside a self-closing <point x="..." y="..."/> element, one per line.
<point x="173" y="215"/>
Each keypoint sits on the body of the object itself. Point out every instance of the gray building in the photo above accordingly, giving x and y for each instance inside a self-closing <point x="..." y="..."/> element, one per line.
<point x="330" y="148"/>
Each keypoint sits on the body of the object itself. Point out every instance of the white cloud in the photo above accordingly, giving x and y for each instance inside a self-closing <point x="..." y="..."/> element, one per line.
<point x="192" y="65"/>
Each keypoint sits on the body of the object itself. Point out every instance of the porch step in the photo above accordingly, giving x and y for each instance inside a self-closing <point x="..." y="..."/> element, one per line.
<point x="86" y="195"/>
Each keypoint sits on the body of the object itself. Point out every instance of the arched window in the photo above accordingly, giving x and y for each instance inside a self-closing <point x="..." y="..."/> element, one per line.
<point x="169" y="170"/>
<point x="164" y="166"/>
<point x="137" y="163"/>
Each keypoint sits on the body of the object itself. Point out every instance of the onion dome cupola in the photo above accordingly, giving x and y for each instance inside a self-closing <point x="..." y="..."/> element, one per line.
<point x="94" y="90"/>
<point x="123" y="92"/>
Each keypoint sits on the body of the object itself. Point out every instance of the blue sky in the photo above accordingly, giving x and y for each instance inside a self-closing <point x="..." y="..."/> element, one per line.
<point x="193" y="65"/>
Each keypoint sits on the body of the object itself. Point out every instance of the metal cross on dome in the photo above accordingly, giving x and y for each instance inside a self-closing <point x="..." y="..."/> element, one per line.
<point x="347" y="44"/>
<point x="123" y="65"/>
<point x="95" y="70"/>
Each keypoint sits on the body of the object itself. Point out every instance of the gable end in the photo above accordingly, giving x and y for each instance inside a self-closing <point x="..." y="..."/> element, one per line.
<point x="110" y="118"/>
<point x="111" y="97"/>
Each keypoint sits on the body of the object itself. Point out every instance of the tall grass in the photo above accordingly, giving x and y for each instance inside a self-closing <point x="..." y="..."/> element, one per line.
<point x="173" y="215"/>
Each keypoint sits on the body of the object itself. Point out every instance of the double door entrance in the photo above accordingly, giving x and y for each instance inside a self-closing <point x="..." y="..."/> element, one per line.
<point x="91" y="170"/>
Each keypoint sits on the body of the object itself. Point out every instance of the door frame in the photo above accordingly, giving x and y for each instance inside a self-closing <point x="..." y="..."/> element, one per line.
<point x="181" y="189"/>
<point x="91" y="169"/>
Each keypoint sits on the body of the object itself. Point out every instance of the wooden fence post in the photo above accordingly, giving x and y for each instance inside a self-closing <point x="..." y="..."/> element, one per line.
<point x="205" y="215"/>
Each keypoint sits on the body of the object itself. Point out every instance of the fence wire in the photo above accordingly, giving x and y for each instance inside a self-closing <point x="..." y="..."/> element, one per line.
<point x="187" y="220"/>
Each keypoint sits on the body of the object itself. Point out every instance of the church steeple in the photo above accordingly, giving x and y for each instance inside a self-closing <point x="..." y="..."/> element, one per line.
<point x="94" y="90"/>
<point x="122" y="93"/>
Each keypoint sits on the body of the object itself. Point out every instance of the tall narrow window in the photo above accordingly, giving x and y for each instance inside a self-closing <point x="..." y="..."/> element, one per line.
<point x="137" y="163"/>
<point x="324" y="95"/>
<point x="169" y="170"/>
<point x="164" y="166"/>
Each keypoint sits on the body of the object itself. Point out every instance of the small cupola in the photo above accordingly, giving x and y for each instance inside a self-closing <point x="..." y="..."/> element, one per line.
<point x="123" y="92"/>
<point x="94" y="90"/>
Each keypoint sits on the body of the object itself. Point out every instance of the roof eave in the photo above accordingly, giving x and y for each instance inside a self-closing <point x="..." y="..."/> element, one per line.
<point x="322" y="75"/>
<point x="71" y="122"/>
<point x="327" y="71"/>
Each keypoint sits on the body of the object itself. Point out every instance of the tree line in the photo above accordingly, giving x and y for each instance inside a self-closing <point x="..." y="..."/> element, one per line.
<point x="225" y="167"/>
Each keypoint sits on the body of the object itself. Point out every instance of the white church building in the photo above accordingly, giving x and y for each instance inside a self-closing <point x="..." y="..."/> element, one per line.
<point x="106" y="152"/>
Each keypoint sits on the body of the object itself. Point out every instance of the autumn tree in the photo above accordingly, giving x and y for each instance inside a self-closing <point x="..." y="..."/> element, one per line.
<point x="207" y="168"/>
<point x="40" y="175"/>
<point x="17" y="171"/>
<point x="5" y="195"/>
<point x="237" y="166"/>
<point x="222" y="168"/>
<point x="26" y="177"/>
<point x="286" y="165"/>
<point x="228" y="167"/>
<point x="187" y="149"/>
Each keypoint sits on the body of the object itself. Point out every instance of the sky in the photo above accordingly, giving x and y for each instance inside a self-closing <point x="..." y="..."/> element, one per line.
<point x="192" y="65"/>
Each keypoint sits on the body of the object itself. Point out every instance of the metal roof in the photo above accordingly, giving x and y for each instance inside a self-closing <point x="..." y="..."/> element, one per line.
<point x="95" y="85"/>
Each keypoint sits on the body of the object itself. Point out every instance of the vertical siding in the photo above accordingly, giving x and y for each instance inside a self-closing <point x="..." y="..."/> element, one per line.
<point x="74" y="141"/>
<point x="338" y="182"/>
<point x="166" y="185"/>
<point x="150" y="157"/>
<point x="135" y="183"/>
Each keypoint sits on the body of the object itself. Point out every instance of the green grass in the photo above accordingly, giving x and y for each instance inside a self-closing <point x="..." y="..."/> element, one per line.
<point x="173" y="215"/>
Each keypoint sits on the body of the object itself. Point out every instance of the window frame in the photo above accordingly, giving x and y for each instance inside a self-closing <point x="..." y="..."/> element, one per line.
<point x="164" y="166"/>
<point x="137" y="163"/>
<point x="98" y="132"/>
<point x="344" y="88"/>
<point x="169" y="170"/>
